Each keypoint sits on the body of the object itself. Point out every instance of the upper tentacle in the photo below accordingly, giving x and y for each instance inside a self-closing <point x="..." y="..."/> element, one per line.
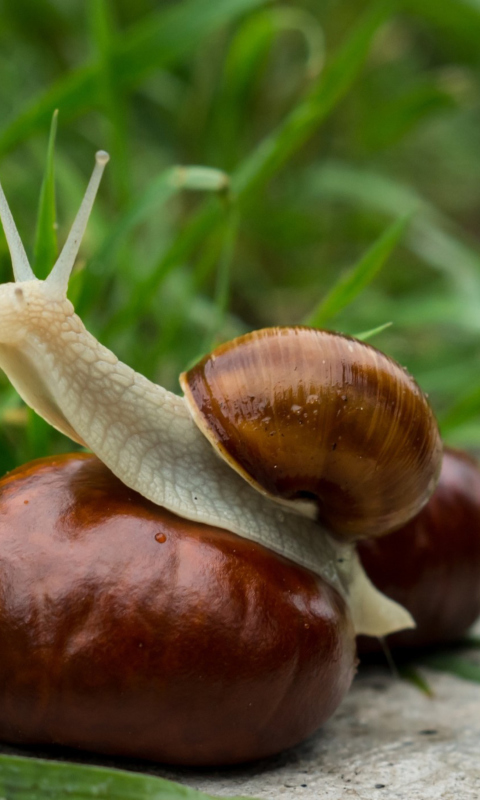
<point x="60" y="274"/>
<point x="21" y="267"/>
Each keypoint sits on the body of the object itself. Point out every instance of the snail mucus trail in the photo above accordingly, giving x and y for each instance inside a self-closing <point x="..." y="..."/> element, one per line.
<point x="146" y="435"/>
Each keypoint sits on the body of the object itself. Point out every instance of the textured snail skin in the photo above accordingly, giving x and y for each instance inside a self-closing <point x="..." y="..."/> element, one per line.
<point x="305" y="413"/>
<point x="125" y="629"/>
<point x="432" y="565"/>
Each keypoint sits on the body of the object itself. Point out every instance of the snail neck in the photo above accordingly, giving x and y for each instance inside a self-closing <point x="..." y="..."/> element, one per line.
<point x="83" y="390"/>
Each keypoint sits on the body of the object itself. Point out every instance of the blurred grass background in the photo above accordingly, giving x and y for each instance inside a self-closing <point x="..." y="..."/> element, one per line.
<point x="320" y="124"/>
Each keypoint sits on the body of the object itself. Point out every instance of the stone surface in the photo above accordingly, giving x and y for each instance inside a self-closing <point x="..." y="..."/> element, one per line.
<point x="387" y="740"/>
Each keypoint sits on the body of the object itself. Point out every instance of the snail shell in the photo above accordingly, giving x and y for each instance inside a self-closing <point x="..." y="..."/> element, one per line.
<point x="306" y="414"/>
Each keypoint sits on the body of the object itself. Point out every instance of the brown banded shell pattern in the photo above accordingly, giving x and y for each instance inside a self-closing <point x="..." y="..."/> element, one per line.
<point x="310" y="414"/>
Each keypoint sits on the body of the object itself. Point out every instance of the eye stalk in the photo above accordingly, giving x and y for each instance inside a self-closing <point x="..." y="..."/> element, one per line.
<point x="61" y="271"/>
<point x="22" y="270"/>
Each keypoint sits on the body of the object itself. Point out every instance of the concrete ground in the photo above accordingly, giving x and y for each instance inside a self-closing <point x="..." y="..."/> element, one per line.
<point x="388" y="740"/>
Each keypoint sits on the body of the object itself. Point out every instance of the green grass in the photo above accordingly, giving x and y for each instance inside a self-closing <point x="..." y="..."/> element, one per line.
<point x="37" y="779"/>
<point x="308" y="133"/>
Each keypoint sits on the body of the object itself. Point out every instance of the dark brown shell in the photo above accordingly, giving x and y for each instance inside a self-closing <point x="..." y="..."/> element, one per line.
<point x="125" y="629"/>
<point x="303" y="413"/>
<point x="432" y="565"/>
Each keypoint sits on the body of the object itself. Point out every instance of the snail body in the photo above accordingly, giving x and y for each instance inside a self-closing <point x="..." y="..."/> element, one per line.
<point x="134" y="632"/>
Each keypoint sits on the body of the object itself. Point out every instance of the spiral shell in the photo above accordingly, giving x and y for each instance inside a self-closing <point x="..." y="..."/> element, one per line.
<point x="310" y="415"/>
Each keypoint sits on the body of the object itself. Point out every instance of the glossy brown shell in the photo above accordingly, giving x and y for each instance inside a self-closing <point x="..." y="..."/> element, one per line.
<point x="304" y="413"/>
<point x="125" y="629"/>
<point x="432" y="565"/>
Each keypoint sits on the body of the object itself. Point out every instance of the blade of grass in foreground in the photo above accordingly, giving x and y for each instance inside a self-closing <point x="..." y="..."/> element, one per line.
<point x="222" y="283"/>
<point x="454" y="665"/>
<point x="364" y="335"/>
<point x="412" y="675"/>
<point x="103" y="34"/>
<point x="45" y="253"/>
<point x="350" y="285"/>
<point x="37" y="779"/>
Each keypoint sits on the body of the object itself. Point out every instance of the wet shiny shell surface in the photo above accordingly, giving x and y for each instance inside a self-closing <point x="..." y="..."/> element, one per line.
<point x="305" y="413"/>
<point x="125" y="629"/>
<point x="432" y="565"/>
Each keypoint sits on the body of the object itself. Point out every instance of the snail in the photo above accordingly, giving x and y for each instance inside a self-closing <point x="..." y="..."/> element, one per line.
<point x="432" y="564"/>
<point x="159" y="446"/>
<point x="148" y="436"/>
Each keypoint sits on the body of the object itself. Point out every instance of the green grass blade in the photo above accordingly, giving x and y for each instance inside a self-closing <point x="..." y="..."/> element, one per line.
<point x="350" y="285"/>
<point x="290" y="18"/>
<point x="454" y="665"/>
<point x="38" y="779"/>
<point x="45" y="255"/>
<point x="46" y="248"/>
<point x="157" y="41"/>
<point x="201" y="179"/>
<point x="222" y="284"/>
<point x="38" y="432"/>
<point x="110" y="95"/>
<point x="255" y="37"/>
<point x="412" y="675"/>
<point x="364" y="335"/>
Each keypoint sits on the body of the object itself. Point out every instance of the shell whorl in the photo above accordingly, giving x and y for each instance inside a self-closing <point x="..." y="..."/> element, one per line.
<point x="305" y="414"/>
